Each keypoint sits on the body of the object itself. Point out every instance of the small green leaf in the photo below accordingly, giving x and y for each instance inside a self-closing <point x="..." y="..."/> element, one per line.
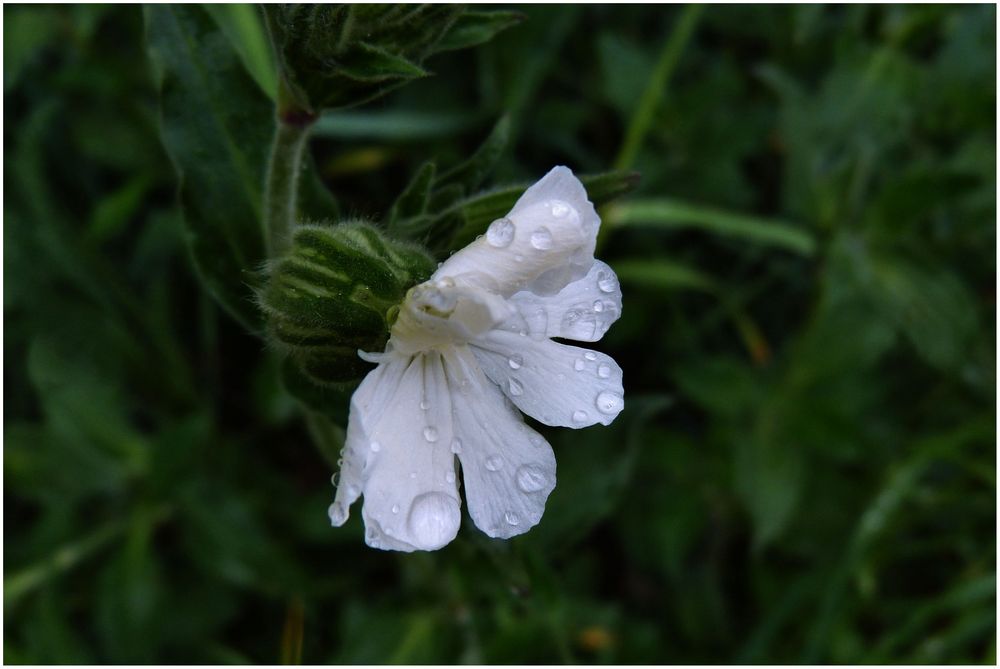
<point x="414" y="198"/>
<point x="216" y="126"/>
<point x="369" y="63"/>
<point x="473" y="28"/>
<point x="663" y="213"/>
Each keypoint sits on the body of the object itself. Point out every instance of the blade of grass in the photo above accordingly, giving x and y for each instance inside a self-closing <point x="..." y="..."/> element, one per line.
<point x="642" y="118"/>
<point x="669" y="214"/>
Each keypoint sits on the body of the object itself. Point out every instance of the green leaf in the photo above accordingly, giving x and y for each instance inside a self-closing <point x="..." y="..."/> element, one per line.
<point x="243" y="26"/>
<point x="414" y="198"/>
<point x="471" y="173"/>
<point x="371" y="64"/>
<point x="670" y="214"/>
<point x="473" y="28"/>
<point x="216" y="126"/>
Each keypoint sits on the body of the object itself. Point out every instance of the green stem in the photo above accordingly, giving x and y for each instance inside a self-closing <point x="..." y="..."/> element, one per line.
<point x="282" y="184"/>
<point x="642" y="119"/>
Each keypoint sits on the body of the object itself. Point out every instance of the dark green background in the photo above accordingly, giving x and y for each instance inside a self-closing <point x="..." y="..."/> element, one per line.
<point x="806" y="467"/>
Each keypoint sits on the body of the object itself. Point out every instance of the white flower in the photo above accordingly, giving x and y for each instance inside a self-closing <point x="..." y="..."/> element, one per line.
<point x="468" y="346"/>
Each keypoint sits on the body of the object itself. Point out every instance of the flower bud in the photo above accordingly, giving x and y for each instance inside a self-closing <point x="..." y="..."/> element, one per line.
<point x="334" y="293"/>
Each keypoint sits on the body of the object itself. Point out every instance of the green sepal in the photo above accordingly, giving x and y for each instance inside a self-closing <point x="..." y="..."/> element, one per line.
<point x="333" y="294"/>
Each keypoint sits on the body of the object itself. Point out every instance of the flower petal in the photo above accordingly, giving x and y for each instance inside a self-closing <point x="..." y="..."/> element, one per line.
<point x="553" y="383"/>
<point x="508" y="468"/>
<point x="403" y="442"/>
<point x="583" y="310"/>
<point x="546" y="241"/>
<point x="368" y="403"/>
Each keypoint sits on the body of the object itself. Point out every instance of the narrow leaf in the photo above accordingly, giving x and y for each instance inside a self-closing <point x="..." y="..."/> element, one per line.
<point x="471" y="173"/>
<point x="413" y="200"/>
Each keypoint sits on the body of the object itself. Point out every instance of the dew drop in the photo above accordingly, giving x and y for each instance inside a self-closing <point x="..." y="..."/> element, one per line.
<point x="425" y="405"/>
<point x="430" y="433"/>
<point x="433" y="521"/>
<point x="609" y="402"/>
<point x="395" y="508"/>
<point x="580" y="416"/>
<point x="598" y="306"/>
<point x="515" y="361"/>
<point x="541" y="239"/>
<point x="559" y="209"/>
<point x="538" y="322"/>
<point x="450" y="477"/>
<point x="531" y="478"/>
<point x="335" y="479"/>
<point x="515" y="387"/>
<point x="494" y="463"/>
<point x="604" y="370"/>
<point x="456" y="446"/>
<point x="512" y="518"/>
<point x="590" y="355"/>
<point x="579" y="364"/>
<point x="607" y="282"/>
<point x="500" y="233"/>
<point x="376" y="447"/>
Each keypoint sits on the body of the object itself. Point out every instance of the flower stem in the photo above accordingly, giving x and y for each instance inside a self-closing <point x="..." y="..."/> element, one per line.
<point x="282" y="182"/>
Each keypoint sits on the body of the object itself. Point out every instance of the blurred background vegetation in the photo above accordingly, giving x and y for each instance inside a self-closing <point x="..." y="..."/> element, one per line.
<point x="806" y="467"/>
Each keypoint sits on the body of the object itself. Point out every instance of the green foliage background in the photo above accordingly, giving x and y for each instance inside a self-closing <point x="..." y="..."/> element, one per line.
<point x="806" y="467"/>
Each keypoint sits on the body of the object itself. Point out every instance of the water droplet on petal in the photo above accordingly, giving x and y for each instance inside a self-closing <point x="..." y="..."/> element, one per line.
<point x="580" y="416"/>
<point x="433" y="520"/>
<point x="607" y="282"/>
<point x="337" y="513"/>
<point x="515" y="361"/>
<point x="604" y="370"/>
<point x="609" y="402"/>
<point x="395" y="508"/>
<point x="512" y="518"/>
<point x="515" y="387"/>
<point x="500" y="233"/>
<point x="494" y="463"/>
<point x="559" y="209"/>
<point x="590" y="355"/>
<point x="541" y="239"/>
<point x="531" y="478"/>
<point x="537" y="321"/>
<point x="450" y="477"/>
<point x="335" y="479"/>
<point x="456" y="446"/>
<point x="598" y="306"/>
<point x="425" y="405"/>
<point x="376" y="447"/>
<point x="430" y="433"/>
<point x="579" y="364"/>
